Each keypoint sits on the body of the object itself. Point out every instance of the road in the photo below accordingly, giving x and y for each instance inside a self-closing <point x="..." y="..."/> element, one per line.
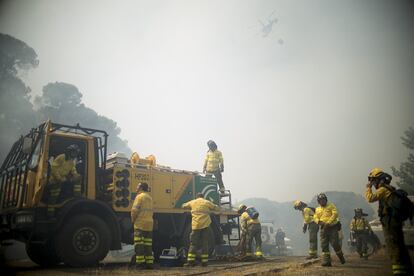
<point x="377" y="265"/>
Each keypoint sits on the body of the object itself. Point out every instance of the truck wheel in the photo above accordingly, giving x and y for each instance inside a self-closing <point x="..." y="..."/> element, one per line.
<point x="83" y="241"/>
<point x="42" y="254"/>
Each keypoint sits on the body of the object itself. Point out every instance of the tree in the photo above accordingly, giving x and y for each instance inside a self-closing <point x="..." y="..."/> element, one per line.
<point x="406" y="171"/>
<point x="16" y="111"/>
<point x="62" y="102"/>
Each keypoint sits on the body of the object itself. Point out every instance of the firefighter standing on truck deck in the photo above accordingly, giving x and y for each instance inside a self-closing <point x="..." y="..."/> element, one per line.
<point x="310" y="225"/>
<point x="391" y="224"/>
<point x="326" y="216"/>
<point x="214" y="163"/>
<point x="251" y="230"/>
<point x="360" y="230"/>
<point x="200" y="215"/>
<point x="63" y="172"/>
<point x="141" y="217"/>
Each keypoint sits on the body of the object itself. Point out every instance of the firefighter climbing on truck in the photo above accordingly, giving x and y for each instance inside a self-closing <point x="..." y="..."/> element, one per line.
<point x="214" y="164"/>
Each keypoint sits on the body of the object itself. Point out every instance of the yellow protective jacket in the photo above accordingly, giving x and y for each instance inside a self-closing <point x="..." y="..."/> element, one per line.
<point x="62" y="169"/>
<point x="308" y="214"/>
<point x="382" y="195"/>
<point x="246" y="220"/>
<point x="213" y="161"/>
<point x="141" y="212"/>
<point x="327" y="214"/>
<point x="359" y="224"/>
<point x="200" y="212"/>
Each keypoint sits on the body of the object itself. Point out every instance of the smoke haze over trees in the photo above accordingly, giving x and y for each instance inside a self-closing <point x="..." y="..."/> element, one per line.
<point x="60" y="102"/>
<point x="406" y="170"/>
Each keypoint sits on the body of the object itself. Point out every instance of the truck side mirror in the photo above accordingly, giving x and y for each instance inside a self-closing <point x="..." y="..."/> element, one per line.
<point x="27" y="145"/>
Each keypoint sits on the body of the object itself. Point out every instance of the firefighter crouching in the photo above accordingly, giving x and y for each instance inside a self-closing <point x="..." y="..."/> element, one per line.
<point x="63" y="172"/>
<point x="310" y="225"/>
<point x="390" y="220"/>
<point x="141" y="217"/>
<point x="200" y="215"/>
<point x="360" y="230"/>
<point x="326" y="216"/>
<point x="251" y="230"/>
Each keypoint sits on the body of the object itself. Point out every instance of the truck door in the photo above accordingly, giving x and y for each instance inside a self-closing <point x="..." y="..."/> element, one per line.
<point x="161" y="189"/>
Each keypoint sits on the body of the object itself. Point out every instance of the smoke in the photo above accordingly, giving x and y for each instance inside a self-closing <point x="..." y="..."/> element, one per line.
<point x="60" y="102"/>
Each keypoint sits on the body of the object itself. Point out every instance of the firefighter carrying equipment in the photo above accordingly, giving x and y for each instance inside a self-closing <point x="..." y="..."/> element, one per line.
<point x="200" y="212"/>
<point x="253" y="213"/>
<point x="246" y="220"/>
<point x="327" y="215"/>
<point x="142" y="212"/>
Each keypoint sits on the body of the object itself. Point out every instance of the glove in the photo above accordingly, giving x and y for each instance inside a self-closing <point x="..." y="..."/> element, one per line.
<point x="305" y="226"/>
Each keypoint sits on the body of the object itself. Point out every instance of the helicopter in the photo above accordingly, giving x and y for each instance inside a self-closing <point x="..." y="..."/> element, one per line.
<point x="268" y="26"/>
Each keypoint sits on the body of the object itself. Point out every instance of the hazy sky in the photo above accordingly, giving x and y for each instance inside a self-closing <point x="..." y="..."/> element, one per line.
<point x="292" y="119"/>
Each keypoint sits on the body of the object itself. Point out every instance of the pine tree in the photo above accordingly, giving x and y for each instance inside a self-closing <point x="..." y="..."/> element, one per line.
<point x="406" y="170"/>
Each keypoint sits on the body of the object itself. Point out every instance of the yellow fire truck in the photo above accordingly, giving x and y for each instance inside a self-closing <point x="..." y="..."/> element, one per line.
<point x="84" y="228"/>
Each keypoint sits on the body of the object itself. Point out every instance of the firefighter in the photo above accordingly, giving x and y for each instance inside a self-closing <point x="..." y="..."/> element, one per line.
<point x="251" y="230"/>
<point x="310" y="225"/>
<point x="141" y="217"/>
<point x="200" y="215"/>
<point x="360" y="230"/>
<point x="391" y="224"/>
<point x="63" y="172"/>
<point x="243" y="232"/>
<point x="326" y="216"/>
<point x="214" y="164"/>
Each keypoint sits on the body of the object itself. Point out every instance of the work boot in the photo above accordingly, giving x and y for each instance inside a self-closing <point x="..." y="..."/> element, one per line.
<point x="341" y="257"/>
<point x="139" y="267"/>
<point x="204" y="264"/>
<point x="327" y="263"/>
<point x="189" y="264"/>
<point x="149" y="266"/>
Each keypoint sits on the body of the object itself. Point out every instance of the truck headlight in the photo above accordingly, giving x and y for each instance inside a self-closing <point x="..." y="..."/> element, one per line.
<point x="24" y="219"/>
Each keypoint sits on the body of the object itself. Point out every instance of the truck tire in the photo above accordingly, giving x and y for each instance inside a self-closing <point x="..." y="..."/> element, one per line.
<point x="43" y="254"/>
<point x="83" y="241"/>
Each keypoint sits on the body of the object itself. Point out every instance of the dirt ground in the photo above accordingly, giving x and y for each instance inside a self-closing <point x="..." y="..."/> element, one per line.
<point x="377" y="265"/>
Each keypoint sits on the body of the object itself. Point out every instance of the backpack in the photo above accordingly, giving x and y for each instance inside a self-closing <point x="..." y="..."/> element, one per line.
<point x="252" y="212"/>
<point x="401" y="205"/>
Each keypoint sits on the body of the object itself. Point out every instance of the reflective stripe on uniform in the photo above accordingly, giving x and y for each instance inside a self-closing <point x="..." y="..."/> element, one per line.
<point x="259" y="254"/>
<point x="149" y="259"/>
<point x="191" y="257"/>
<point x="326" y="253"/>
<point x="140" y="259"/>
<point x="204" y="258"/>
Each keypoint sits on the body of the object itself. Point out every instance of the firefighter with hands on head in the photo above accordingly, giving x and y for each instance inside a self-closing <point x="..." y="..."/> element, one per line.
<point x="360" y="230"/>
<point x="142" y="219"/>
<point x="200" y="216"/>
<point x="310" y="225"/>
<point x="391" y="220"/>
<point x="326" y="216"/>
<point x="214" y="164"/>
<point x="63" y="172"/>
<point x="251" y="229"/>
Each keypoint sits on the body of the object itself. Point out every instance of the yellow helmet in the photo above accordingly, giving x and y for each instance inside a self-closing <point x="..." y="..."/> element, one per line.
<point x="297" y="203"/>
<point x="241" y="208"/>
<point x="375" y="173"/>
